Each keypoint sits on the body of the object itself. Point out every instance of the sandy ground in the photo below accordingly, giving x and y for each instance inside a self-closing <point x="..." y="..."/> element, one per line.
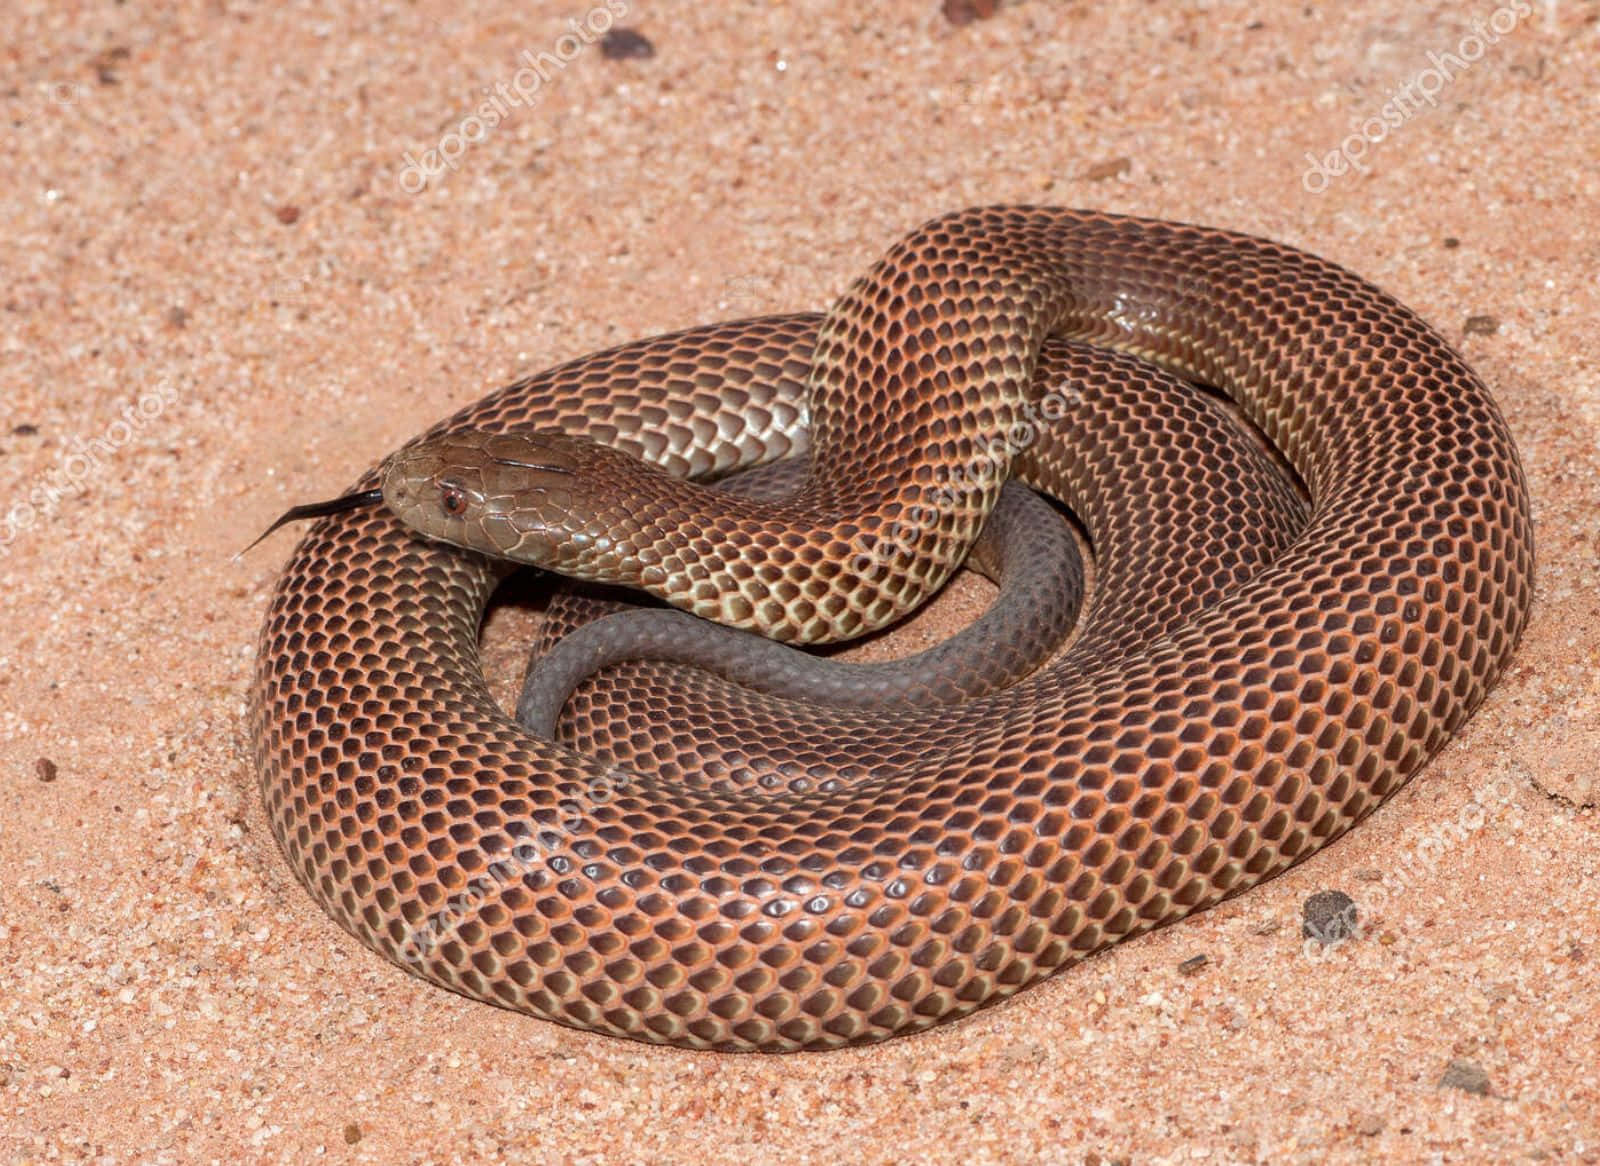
<point x="228" y="289"/>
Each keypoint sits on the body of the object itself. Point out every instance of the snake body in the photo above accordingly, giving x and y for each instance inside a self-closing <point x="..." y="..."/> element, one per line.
<point x="958" y="854"/>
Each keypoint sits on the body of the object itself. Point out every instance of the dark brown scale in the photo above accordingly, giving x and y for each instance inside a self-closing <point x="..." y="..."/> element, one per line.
<point x="1022" y="831"/>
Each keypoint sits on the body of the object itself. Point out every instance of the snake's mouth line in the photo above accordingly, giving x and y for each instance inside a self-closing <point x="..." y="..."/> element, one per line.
<point x="539" y="467"/>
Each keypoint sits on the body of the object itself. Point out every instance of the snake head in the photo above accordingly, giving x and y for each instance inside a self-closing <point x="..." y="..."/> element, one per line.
<point x="528" y="497"/>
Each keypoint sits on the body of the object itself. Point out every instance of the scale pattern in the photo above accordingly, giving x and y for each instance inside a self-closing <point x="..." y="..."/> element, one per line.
<point x="962" y="855"/>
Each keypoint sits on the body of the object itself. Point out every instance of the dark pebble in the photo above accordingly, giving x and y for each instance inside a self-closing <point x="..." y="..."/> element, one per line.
<point x="966" y="11"/>
<point x="1481" y="325"/>
<point x="1193" y="964"/>
<point x="1328" y="917"/>
<point x="26" y="429"/>
<point x="46" y="769"/>
<point x="1467" y="1077"/>
<point x="352" y="1134"/>
<point x="105" y="65"/>
<point x="623" y="44"/>
<point x="288" y="214"/>
<point x="1451" y="242"/>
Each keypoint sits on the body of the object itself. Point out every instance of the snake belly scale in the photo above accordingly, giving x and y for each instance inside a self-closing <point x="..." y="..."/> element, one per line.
<point x="978" y="847"/>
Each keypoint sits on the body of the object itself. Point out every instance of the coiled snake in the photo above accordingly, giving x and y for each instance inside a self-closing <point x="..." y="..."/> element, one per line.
<point x="754" y="874"/>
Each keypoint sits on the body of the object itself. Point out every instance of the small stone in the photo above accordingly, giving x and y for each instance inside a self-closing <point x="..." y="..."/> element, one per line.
<point x="1466" y="1076"/>
<point x="1112" y="168"/>
<point x="105" y="65"/>
<point x="26" y="429"/>
<point x="1370" y="1125"/>
<point x="623" y="44"/>
<point x="352" y="1134"/>
<point x="959" y="12"/>
<point x="1451" y="242"/>
<point x="288" y="214"/>
<point x="1328" y="917"/>
<point x="1193" y="964"/>
<point x="46" y="769"/>
<point x="1481" y="325"/>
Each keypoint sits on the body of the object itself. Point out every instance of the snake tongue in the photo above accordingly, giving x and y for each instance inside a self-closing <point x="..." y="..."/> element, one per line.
<point x="337" y="505"/>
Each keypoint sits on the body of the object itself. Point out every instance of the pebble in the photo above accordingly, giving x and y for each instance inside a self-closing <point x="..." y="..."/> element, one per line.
<point x="1328" y="917"/>
<point x="623" y="44"/>
<point x="959" y="12"/>
<point x="106" y="63"/>
<point x="1467" y="1076"/>
<point x="1111" y="168"/>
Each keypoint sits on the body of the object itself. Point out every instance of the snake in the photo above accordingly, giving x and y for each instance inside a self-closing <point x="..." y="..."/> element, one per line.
<point x="908" y="867"/>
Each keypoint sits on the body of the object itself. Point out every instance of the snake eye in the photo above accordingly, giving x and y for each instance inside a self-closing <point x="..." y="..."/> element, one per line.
<point x="452" y="499"/>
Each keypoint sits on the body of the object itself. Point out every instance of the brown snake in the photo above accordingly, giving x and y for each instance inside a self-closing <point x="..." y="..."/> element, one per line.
<point x="957" y="854"/>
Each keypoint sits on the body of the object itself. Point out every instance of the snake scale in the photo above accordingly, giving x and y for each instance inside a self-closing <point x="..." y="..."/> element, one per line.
<point x="957" y="854"/>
